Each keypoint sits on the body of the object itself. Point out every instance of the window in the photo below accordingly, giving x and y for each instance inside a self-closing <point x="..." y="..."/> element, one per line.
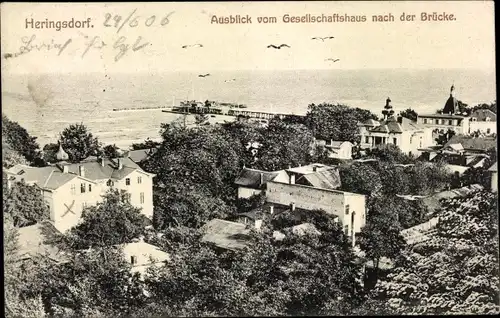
<point x="73" y="189"/>
<point x="450" y="122"/>
<point x="90" y="187"/>
<point x="488" y="130"/>
<point x="109" y="183"/>
<point x="82" y="188"/>
<point x="142" y="197"/>
<point x="139" y="180"/>
<point x="346" y="230"/>
<point x="395" y="141"/>
<point x="127" y="181"/>
<point x="367" y="139"/>
<point x="347" y="207"/>
<point x="128" y="197"/>
<point x="133" y="259"/>
<point x="474" y="119"/>
<point x="425" y="120"/>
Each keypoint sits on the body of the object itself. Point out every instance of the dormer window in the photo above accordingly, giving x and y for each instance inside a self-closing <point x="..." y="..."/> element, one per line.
<point x="474" y="119"/>
<point x="109" y="183"/>
<point x="488" y="118"/>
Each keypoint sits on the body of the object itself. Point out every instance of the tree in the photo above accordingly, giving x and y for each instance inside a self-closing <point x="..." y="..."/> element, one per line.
<point x="284" y="145"/>
<point x="443" y="138"/>
<point x="50" y="152"/>
<point x="24" y="204"/>
<point x="19" y="140"/>
<point x="11" y="157"/>
<point x="15" y="278"/>
<point x="336" y="122"/>
<point x="410" y="114"/>
<point x="360" y="178"/>
<point x="110" y="222"/>
<point x="456" y="271"/>
<point x="201" y="119"/>
<point x="78" y="142"/>
<point x="111" y="151"/>
<point x="190" y="208"/>
<point x="147" y="144"/>
<point x="390" y="153"/>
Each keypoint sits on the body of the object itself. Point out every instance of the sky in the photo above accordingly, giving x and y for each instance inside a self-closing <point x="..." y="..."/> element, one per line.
<point x="468" y="42"/>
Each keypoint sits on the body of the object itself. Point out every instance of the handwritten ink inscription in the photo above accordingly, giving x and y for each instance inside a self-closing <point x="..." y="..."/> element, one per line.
<point x="120" y="46"/>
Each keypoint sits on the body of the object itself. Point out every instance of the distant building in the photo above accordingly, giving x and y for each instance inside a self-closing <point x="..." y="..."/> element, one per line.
<point x="449" y="118"/>
<point x="339" y="149"/>
<point x="252" y="181"/>
<point x="68" y="188"/>
<point x="494" y="177"/>
<point x="140" y="155"/>
<point x="226" y="235"/>
<point x="349" y="208"/>
<point x="483" y="120"/>
<point x="470" y="144"/>
<point x="142" y="256"/>
<point x="408" y="135"/>
<point x="32" y="243"/>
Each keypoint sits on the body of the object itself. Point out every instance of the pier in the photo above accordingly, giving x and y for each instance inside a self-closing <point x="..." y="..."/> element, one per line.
<point x="227" y="112"/>
<point x="140" y="108"/>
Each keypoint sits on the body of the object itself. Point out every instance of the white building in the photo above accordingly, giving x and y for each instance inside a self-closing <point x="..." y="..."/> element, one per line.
<point x="483" y="120"/>
<point x="68" y="188"/>
<point x="339" y="149"/>
<point x="408" y="135"/>
<point x="142" y="256"/>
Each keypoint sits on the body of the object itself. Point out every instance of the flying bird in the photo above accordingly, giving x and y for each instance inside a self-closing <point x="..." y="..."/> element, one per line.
<point x="322" y="39"/>
<point x="365" y="160"/>
<point x="404" y="166"/>
<point x="192" y="45"/>
<point x="204" y="75"/>
<point x="333" y="60"/>
<point x="411" y="197"/>
<point x="231" y="80"/>
<point x="277" y="47"/>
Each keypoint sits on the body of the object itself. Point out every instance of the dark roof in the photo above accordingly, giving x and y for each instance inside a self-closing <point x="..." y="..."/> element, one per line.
<point x="482" y="114"/>
<point x="472" y="143"/>
<point x="45" y="177"/>
<point x="226" y="234"/>
<point x="253" y="178"/>
<point x="446" y="116"/>
<point x="322" y="178"/>
<point x="140" y="155"/>
<point x="451" y="105"/>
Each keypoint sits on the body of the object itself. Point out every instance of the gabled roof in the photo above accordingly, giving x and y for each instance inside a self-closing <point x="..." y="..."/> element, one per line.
<point x="32" y="242"/>
<point x="472" y="143"/>
<point x="226" y="234"/>
<point x="94" y="170"/>
<point x="338" y="144"/>
<point x="140" y="155"/>
<point x="46" y="177"/>
<point x="482" y="114"/>
<point x="391" y="125"/>
<point x="253" y="178"/>
<point x="145" y="253"/>
<point x="325" y="179"/>
<point x="494" y="167"/>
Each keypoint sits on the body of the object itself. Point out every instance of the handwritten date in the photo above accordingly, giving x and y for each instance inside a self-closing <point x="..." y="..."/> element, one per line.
<point x="133" y="20"/>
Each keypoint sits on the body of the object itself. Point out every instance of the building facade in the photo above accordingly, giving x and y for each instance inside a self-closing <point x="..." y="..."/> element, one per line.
<point x="68" y="188"/>
<point x="448" y="118"/>
<point x="408" y="135"/>
<point x="484" y="121"/>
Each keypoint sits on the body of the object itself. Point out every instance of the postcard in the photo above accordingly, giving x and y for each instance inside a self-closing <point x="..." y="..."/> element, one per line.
<point x="249" y="158"/>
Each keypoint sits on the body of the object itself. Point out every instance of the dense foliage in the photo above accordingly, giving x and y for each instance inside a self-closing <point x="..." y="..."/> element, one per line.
<point x="410" y="114"/>
<point x="18" y="139"/>
<point x="78" y="142"/>
<point x="457" y="270"/>
<point x="23" y="204"/>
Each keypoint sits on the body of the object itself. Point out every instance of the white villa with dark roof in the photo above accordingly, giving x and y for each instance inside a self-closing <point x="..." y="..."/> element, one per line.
<point x="68" y="188"/>
<point x="484" y="121"/>
<point x="408" y="135"/>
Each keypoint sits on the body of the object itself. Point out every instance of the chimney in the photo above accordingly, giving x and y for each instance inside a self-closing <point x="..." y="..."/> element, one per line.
<point x="120" y="163"/>
<point x="81" y="171"/>
<point x="292" y="206"/>
<point x="292" y="178"/>
<point x="387" y="102"/>
<point x="65" y="169"/>
<point x="271" y="209"/>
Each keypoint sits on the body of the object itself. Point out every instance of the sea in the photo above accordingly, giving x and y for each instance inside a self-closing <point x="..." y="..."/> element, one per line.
<point x="45" y="104"/>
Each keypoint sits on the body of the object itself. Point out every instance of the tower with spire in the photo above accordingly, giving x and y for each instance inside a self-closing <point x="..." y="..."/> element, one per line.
<point x="451" y="106"/>
<point x="388" y="112"/>
<point x="61" y="155"/>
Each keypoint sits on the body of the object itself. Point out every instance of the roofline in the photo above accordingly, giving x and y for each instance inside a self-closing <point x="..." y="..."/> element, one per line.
<point x="321" y="189"/>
